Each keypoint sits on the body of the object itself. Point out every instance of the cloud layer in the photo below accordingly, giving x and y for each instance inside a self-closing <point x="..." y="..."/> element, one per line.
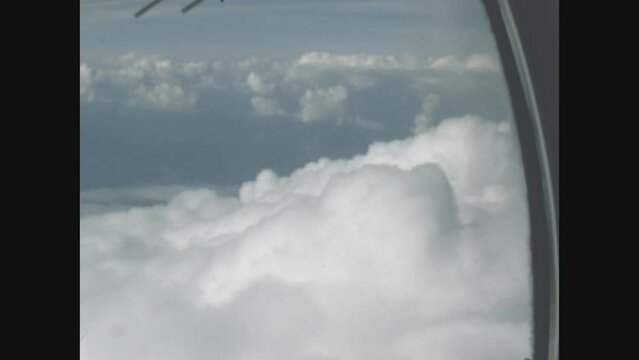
<point x="416" y="249"/>
<point x="316" y="86"/>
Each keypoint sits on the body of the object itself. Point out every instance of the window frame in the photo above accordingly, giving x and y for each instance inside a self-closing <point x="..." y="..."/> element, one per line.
<point x="527" y="36"/>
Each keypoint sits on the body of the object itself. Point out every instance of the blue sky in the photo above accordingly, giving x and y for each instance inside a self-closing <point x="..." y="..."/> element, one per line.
<point x="124" y="144"/>
<point x="283" y="28"/>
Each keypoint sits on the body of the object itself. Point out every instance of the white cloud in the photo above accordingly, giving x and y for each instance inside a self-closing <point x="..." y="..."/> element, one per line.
<point x="424" y="119"/>
<point x="322" y="104"/>
<point x="358" y="61"/>
<point x="489" y="340"/>
<point x="482" y="62"/>
<point x="323" y="83"/>
<point x="86" y="83"/>
<point x="256" y="85"/>
<point x="416" y="248"/>
<point x="135" y="68"/>
<point x="262" y="104"/>
<point x="163" y="96"/>
<point x="474" y="63"/>
<point x="265" y="106"/>
<point x="154" y="82"/>
<point x="97" y="201"/>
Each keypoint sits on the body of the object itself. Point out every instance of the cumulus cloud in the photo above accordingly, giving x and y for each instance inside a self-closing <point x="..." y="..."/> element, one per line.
<point x="103" y="200"/>
<point x="319" y="104"/>
<point x="265" y="106"/>
<point x="474" y="63"/>
<point x="424" y="119"/>
<point x="157" y="82"/>
<point x="163" y="96"/>
<point x="417" y="248"/>
<point x="86" y="82"/>
<point x="255" y="83"/>
<point x="358" y="61"/>
<point x="321" y="83"/>
<point x="149" y="82"/>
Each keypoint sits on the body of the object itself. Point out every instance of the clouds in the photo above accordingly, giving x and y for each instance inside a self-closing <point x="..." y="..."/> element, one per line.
<point x="264" y="106"/>
<point x="424" y="119"/>
<point x="418" y="246"/>
<point x="359" y="61"/>
<point x="153" y="119"/>
<point x="163" y="96"/>
<point x="256" y="84"/>
<point x="86" y="82"/>
<point x="322" y="104"/>
<point x="477" y="62"/>
<point x="398" y="250"/>
<point x="316" y="86"/>
<point x="158" y="83"/>
<point x="149" y="82"/>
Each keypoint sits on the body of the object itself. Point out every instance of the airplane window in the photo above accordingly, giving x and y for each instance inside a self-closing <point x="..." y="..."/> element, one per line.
<point x="297" y="179"/>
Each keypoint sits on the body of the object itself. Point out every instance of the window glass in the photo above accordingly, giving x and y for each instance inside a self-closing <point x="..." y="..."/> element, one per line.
<point x="297" y="179"/>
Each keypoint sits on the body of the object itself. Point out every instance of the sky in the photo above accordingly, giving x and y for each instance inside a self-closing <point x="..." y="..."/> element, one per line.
<point x="237" y="29"/>
<point x="299" y="180"/>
